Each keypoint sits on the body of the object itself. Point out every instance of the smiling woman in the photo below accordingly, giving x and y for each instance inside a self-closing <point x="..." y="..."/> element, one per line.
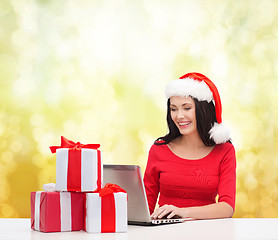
<point x="195" y="161"/>
<point x="94" y="70"/>
<point x="183" y="114"/>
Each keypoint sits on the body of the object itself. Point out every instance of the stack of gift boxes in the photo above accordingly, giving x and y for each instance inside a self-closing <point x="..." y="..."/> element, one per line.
<point x="79" y="202"/>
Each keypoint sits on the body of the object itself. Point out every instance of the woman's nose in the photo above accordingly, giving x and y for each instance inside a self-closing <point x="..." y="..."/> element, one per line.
<point x="180" y="114"/>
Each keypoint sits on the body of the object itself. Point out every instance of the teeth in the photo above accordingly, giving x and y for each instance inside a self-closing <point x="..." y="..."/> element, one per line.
<point x="182" y="124"/>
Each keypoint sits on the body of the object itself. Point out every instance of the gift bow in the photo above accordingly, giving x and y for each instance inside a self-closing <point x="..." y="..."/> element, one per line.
<point x="65" y="143"/>
<point x="49" y="187"/>
<point x="108" y="215"/>
<point x="108" y="189"/>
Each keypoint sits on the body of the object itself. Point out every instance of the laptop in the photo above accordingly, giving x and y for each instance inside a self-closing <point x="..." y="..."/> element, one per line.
<point x="129" y="178"/>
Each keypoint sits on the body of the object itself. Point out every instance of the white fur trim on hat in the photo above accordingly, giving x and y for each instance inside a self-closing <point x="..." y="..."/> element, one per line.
<point x="219" y="133"/>
<point x="189" y="87"/>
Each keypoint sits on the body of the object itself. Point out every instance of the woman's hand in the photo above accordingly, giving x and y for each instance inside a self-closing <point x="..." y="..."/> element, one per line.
<point x="211" y="211"/>
<point x="170" y="211"/>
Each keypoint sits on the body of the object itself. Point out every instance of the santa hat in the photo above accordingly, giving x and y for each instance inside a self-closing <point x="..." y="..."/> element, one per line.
<point x="198" y="86"/>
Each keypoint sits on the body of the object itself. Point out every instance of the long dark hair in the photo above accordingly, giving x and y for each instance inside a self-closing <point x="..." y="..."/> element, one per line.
<point x="205" y="117"/>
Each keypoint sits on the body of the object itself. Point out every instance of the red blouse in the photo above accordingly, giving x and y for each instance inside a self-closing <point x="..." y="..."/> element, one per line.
<point x="188" y="183"/>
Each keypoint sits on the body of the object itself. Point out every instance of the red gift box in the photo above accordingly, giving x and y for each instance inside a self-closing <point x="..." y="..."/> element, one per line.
<point x="78" y="166"/>
<point x="57" y="211"/>
<point x="106" y="210"/>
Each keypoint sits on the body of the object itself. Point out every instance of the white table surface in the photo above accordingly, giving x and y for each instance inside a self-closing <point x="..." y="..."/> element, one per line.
<point x="224" y="229"/>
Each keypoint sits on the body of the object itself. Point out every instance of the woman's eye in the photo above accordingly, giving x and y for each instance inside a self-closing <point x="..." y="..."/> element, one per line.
<point x="173" y="109"/>
<point x="187" y="109"/>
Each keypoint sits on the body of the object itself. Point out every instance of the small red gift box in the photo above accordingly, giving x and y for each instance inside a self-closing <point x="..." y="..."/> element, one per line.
<point x="57" y="211"/>
<point x="106" y="210"/>
<point x="78" y="166"/>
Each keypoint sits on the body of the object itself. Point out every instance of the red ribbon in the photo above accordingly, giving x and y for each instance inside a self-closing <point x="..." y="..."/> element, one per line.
<point x="65" y="143"/>
<point x="74" y="162"/>
<point x="109" y="189"/>
<point x="108" y="211"/>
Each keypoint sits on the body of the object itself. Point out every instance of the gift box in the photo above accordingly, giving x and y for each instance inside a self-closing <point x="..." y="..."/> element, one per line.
<point x="78" y="166"/>
<point x="57" y="211"/>
<point x="106" y="210"/>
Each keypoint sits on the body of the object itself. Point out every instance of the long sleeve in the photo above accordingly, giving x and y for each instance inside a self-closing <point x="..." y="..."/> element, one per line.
<point x="227" y="179"/>
<point x="151" y="180"/>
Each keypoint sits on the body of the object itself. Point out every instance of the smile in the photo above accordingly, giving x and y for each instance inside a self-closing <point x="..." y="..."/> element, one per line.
<point x="184" y="124"/>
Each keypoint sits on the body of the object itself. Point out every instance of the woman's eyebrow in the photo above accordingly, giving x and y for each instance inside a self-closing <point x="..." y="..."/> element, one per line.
<point x="173" y="105"/>
<point x="186" y="104"/>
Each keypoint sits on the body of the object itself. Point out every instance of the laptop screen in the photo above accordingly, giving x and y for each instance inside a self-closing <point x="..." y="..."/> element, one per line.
<point x="129" y="178"/>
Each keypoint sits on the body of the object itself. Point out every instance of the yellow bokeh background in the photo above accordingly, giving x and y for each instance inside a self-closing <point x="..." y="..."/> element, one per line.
<point x="95" y="72"/>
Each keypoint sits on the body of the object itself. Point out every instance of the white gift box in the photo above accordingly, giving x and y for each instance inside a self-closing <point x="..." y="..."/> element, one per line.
<point x="106" y="214"/>
<point x="78" y="169"/>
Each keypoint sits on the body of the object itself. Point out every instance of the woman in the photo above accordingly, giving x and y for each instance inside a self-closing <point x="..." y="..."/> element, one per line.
<point x="195" y="162"/>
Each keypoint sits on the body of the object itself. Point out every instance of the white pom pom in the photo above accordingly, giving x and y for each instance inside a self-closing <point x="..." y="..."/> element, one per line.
<point x="219" y="133"/>
<point x="49" y="187"/>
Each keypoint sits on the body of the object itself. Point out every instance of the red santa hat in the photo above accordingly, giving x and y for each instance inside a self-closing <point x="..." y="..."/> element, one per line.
<point x="198" y="86"/>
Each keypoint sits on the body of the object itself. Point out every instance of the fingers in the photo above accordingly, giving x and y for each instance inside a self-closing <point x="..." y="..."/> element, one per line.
<point x="172" y="214"/>
<point x="163" y="211"/>
<point x="156" y="213"/>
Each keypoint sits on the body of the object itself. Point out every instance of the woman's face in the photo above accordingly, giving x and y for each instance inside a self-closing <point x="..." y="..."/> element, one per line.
<point x="183" y="114"/>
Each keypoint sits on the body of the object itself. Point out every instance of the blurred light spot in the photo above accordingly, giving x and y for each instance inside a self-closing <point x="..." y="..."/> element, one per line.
<point x="2" y="128"/>
<point x="76" y="87"/>
<point x="23" y="87"/>
<point x="16" y="146"/>
<point x="37" y="133"/>
<point x="4" y="8"/>
<point x="53" y="92"/>
<point x="8" y="68"/>
<point x="3" y="144"/>
<point x="266" y="200"/>
<point x="251" y="182"/>
<point x="39" y="161"/>
<point x="3" y="193"/>
<point x="7" y="156"/>
<point x="219" y="64"/>
<point x="146" y="139"/>
<point x="266" y="17"/>
<point x="247" y="92"/>
<point x="36" y="120"/>
<point x="70" y="126"/>
<point x="44" y="143"/>
<point x="23" y="40"/>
